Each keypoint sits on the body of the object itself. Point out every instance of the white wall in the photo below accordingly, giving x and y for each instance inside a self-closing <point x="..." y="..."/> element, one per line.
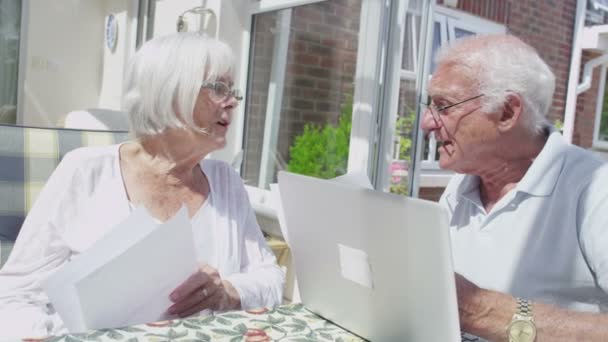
<point x="62" y="59"/>
<point x="233" y="21"/>
<point x="66" y="65"/>
<point x="114" y="62"/>
<point x="167" y="12"/>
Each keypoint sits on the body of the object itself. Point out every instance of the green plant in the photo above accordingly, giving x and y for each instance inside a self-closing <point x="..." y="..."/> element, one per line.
<point x="559" y="124"/>
<point x="603" y="133"/>
<point x="403" y="129"/>
<point x="322" y="151"/>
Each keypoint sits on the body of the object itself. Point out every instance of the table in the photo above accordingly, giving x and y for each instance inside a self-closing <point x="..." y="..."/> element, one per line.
<point x="284" y="323"/>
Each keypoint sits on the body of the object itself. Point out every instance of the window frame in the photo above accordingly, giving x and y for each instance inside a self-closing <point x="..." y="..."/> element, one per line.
<point x="450" y="20"/>
<point x="366" y="99"/>
<point x="23" y="34"/>
<point x="597" y="143"/>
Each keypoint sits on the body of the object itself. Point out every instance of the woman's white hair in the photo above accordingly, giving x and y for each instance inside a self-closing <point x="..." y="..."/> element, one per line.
<point x="164" y="78"/>
<point x="504" y="64"/>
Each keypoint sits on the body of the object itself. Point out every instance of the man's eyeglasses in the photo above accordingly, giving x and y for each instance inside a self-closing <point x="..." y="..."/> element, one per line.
<point x="221" y="91"/>
<point x="435" y="111"/>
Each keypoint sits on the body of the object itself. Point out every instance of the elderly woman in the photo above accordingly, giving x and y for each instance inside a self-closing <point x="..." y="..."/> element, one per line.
<point x="179" y="97"/>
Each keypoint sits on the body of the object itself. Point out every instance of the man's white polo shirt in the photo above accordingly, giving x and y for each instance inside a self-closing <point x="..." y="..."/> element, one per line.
<point x="547" y="239"/>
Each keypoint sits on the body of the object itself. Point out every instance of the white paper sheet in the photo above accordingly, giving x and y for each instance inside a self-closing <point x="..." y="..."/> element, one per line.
<point x="126" y="277"/>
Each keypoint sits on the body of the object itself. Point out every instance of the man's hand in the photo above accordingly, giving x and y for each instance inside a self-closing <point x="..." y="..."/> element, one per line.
<point x="205" y="289"/>
<point x="474" y="305"/>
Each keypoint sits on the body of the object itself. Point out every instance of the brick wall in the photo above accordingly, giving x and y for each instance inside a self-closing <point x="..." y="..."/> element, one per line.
<point x="495" y="10"/>
<point x="263" y="43"/>
<point x="586" y="106"/>
<point x="322" y="60"/>
<point x="431" y="193"/>
<point x="547" y="25"/>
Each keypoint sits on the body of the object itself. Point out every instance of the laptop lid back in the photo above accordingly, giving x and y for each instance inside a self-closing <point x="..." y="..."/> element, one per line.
<point x="377" y="264"/>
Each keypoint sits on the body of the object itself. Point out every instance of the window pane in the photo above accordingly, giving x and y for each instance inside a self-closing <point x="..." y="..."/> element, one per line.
<point x="404" y="127"/>
<point x="412" y="36"/>
<point x="432" y="180"/>
<point x="603" y="133"/>
<point x="10" y="21"/>
<point x="436" y="44"/>
<point x="461" y="33"/>
<point x="312" y="61"/>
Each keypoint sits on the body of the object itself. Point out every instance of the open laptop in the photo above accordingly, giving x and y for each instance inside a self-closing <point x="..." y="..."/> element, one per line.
<point x="376" y="264"/>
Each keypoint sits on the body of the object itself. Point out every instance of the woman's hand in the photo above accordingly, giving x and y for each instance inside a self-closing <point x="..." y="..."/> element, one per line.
<point x="205" y="289"/>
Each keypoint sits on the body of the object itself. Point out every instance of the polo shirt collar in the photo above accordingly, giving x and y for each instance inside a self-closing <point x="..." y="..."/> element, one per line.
<point x="541" y="177"/>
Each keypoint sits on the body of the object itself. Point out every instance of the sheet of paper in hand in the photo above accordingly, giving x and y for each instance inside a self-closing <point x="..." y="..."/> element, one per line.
<point x="126" y="277"/>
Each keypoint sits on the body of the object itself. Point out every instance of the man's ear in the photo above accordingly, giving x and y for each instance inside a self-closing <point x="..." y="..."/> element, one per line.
<point x="511" y="113"/>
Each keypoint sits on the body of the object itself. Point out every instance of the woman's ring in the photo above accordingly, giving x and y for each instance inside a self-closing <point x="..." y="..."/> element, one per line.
<point x="205" y="293"/>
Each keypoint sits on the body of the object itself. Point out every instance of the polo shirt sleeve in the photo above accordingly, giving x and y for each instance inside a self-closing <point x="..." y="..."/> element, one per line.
<point x="592" y="220"/>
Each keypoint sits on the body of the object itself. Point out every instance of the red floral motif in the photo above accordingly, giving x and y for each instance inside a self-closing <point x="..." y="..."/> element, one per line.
<point x="259" y="311"/>
<point x="159" y="324"/>
<point x="397" y="170"/>
<point x="256" y="335"/>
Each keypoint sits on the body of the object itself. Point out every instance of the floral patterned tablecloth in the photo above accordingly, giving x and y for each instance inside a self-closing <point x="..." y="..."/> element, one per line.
<point x="285" y="323"/>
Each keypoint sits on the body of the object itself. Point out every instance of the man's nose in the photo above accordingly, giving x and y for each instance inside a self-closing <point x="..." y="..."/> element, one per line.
<point x="428" y="122"/>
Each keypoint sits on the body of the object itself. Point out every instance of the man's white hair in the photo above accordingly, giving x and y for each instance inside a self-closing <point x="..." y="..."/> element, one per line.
<point x="164" y="78"/>
<point x="504" y="64"/>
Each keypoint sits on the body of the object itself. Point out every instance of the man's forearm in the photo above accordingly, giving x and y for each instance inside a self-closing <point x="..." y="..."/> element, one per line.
<point x="489" y="314"/>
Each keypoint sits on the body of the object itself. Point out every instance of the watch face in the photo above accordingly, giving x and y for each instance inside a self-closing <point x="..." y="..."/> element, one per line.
<point x="522" y="331"/>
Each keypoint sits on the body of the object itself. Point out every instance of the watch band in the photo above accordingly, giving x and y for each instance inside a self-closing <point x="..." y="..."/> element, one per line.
<point x="522" y="327"/>
<point x="524" y="307"/>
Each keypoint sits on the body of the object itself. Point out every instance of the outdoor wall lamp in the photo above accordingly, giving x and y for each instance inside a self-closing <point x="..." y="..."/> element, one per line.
<point x="182" y="23"/>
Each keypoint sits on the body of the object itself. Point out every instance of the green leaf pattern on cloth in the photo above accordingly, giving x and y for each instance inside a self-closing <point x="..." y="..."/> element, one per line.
<point x="285" y="323"/>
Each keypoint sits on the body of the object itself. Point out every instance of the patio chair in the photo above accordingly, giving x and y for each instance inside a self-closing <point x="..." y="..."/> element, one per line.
<point x="28" y="156"/>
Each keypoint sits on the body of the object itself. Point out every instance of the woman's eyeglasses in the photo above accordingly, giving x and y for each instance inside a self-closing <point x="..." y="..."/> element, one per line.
<point x="221" y="91"/>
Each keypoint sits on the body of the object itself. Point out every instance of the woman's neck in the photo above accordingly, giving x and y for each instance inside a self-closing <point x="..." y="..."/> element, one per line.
<point x="168" y="157"/>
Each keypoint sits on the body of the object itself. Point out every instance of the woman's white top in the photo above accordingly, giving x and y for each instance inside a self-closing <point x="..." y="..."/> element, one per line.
<point x="85" y="198"/>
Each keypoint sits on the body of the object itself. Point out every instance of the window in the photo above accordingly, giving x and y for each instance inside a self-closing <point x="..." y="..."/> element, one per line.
<point x="452" y="25"/>
<point x="10" y="26"/>
<point x="60" y="69"/>
<point x="447" y="26"/>
<point x="73" y="77"/>
<point x="600" y="135"/>
<point x="300" y="91"/>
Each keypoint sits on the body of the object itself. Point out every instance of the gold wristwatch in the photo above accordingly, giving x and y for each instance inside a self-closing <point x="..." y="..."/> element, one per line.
<point x="522" y="327"/>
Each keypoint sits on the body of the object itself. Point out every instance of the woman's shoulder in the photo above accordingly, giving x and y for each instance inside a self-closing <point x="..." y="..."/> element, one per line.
<point x="218" y="169"/>
<point x="224" y="180"/>
<point x="91" y="156"/>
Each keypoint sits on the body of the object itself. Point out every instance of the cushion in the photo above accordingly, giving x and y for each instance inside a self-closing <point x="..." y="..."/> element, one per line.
<point x="28" y="156"/>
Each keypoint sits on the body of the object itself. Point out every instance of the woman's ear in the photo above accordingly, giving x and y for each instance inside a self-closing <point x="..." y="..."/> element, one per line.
<point x="511" y="113"/>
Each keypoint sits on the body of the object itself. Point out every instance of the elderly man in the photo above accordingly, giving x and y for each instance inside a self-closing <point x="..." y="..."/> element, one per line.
<point x="528" y="212"/>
